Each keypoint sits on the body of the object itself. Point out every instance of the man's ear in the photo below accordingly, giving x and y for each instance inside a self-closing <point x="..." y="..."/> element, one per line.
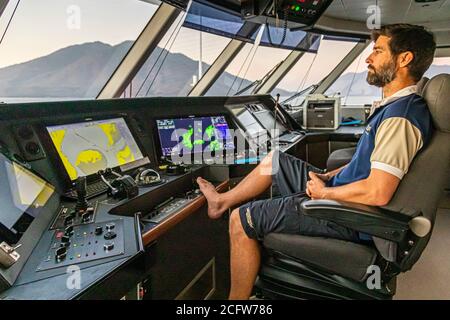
<point x="405" y="58"/>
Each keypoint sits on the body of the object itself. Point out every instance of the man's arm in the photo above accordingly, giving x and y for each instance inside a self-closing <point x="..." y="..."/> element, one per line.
<point x="327" y="176"/>
<point x="376" y="190"/>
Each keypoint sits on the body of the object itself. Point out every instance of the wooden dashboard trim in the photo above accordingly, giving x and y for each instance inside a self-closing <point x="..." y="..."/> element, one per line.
<point x="167" y="224"/>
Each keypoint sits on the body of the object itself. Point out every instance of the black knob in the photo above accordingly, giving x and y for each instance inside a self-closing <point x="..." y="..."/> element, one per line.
<point x="110" y="235"/>
<point x="98" y="230"/>
<point x="65" y="241"/>
<point x="110" y="226"/>
<point x="85" y="217"/>
<point x="68" y="221"/>
<point x="80" y="186"/>
<point x="61" y="254"/>
<point x="108" y="246"/>
<point x="71" y="214"/>
<point x="68" y="231"/>
<point x="32" y="148"/>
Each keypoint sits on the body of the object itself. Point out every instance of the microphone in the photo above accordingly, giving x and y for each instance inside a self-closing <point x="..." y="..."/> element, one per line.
<point x="276" y="111"/>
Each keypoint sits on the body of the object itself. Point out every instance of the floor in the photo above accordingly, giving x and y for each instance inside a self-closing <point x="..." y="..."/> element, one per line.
<point x="430" y="277"/>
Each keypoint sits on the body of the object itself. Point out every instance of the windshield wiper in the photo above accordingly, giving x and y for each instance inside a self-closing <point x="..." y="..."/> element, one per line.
<point x="257" y="83"/>
<point x="309" y="89"/>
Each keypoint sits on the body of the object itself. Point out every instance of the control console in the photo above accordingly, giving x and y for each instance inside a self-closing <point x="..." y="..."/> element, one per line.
<point x="83" y="243"/>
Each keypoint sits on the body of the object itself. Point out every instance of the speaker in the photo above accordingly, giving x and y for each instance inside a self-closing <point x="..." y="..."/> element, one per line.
<point x="28" y="142"/>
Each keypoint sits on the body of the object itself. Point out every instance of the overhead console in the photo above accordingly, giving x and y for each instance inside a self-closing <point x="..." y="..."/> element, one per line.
<point x="296" y="13"/>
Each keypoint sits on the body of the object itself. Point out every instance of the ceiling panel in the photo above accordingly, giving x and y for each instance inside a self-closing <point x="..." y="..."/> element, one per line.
<point x="407" y="11"/>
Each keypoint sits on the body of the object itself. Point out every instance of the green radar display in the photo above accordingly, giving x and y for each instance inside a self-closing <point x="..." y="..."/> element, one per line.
<point x="194" y="135"/>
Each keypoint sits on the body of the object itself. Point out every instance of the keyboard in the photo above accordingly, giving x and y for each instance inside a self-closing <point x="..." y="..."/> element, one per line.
<point x="93" y="189"/>
<point x="289" y="137"/>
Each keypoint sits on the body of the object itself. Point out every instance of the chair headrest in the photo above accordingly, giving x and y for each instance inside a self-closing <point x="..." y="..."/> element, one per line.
<point x="421" y="85"/>
<point x="437" y="95"/>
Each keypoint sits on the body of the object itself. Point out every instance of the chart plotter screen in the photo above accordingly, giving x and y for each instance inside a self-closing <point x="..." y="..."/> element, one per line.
<point x="194" y="135"/>
<point x="87" y="147"/>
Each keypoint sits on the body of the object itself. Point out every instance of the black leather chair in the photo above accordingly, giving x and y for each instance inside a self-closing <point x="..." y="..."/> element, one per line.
<point x="300" y="267"/>
<point x="341" y="157"/>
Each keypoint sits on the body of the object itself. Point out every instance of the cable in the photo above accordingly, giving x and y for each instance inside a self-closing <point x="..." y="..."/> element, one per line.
<point x="157" y="59"/>
<point x="353" y="79"/>
<point x="163" y="61"/>
<point x="302" y="84"/>
<point x="248" y="67"/>
<point x="238" y="73"/>
<point x="9" y="22"/>
<point x="284" y="29"/>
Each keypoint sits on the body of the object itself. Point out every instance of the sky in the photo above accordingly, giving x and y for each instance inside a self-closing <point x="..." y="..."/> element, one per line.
<point x="41" y="27"/>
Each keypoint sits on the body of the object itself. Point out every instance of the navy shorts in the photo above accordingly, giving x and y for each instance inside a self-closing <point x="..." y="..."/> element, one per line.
<point x="283" y="214"/>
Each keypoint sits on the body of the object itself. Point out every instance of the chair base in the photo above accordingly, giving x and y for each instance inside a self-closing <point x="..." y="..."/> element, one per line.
<point x="282" y="277"/>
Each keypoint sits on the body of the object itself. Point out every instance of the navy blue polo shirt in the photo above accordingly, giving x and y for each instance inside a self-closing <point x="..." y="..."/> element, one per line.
<point x="394" y="134"/>
<point x="404" y="126"/>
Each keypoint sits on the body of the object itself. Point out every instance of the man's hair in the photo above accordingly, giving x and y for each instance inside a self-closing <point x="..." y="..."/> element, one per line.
<point x="407" y="37"/>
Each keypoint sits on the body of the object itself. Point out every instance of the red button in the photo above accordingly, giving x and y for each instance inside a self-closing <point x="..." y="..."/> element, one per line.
<point x="59" y="234"/>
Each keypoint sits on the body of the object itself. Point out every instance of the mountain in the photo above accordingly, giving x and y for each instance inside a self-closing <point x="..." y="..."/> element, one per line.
<point x="75" y="71"/>
<point x="359" y="86"/>
<point x="80" y="71"/>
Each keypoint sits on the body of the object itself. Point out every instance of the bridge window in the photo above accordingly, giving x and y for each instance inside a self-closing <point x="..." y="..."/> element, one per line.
<point x="177" y="64"/>
<point x="251" y="64"/>
<point x="311" y="68"/>
<point x="440" y="65"/>
<point x="65" y="49"/>
<point x="352" y="85"/>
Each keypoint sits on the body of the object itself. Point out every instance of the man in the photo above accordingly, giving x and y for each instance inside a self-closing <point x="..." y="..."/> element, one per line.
<point x="397" y="129"/>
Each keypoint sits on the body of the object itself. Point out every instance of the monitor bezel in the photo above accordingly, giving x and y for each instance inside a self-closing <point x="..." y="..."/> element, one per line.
<point x="157" y="139"/>
<point x="27" y="216"/>
<point x="56" y="159"/>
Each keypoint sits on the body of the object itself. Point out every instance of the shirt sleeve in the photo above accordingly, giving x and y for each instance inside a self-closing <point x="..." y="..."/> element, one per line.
<point x="397" y="141"/>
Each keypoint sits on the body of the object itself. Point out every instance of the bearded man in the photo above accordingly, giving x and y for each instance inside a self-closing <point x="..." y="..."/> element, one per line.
<point x="398" y="127"/>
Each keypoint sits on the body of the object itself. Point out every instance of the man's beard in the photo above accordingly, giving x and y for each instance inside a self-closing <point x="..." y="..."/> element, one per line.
<point x="384" y="75"/>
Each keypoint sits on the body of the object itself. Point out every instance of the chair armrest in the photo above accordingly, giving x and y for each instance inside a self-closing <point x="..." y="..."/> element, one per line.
<point x="375" y="221"/>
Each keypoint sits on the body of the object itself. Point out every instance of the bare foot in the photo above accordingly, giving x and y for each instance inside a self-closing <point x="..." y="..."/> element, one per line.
<point x="215" y="204"/>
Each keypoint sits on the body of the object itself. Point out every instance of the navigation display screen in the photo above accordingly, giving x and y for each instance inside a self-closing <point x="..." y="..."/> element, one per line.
<point x="87" y="147"/>
<point x="267" y="120"/>
<point x="249" y="123"/>
<point x="22" y="196"/>
<point x="194" y="135"/>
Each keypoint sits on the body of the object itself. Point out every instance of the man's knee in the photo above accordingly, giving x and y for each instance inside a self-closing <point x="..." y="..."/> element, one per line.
<point x="236" y="228"/>
<point x="267" y="162"/>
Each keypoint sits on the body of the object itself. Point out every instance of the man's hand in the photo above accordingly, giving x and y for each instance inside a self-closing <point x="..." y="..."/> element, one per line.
<point x="323" y="176"/>
<point x="315" y="188"/>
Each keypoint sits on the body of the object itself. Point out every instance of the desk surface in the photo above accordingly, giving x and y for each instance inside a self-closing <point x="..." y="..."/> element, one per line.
<point x="341" y="130"/>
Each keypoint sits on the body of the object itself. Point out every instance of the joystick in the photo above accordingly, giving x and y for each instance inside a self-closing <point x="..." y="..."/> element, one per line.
<point x="80" y="186"/>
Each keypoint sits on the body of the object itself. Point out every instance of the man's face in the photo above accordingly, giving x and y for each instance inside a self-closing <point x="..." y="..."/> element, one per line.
<point x="381" y="64"/>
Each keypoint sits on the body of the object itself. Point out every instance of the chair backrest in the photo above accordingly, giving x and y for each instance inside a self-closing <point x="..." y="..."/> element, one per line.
<point x="424" y="184"/>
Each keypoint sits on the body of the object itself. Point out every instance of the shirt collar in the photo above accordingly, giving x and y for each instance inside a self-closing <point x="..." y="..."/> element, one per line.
<point x="397" y="95"/>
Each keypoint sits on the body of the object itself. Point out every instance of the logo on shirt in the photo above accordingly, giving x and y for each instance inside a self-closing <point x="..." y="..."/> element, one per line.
<point x="368" y="128"/>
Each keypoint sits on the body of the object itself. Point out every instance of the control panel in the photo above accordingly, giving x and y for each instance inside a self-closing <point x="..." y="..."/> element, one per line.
<point x="169" y="207"/>
<point x="69" y="216"/>
<point x="55" y="210"/>
<point x="83" y="243"/>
